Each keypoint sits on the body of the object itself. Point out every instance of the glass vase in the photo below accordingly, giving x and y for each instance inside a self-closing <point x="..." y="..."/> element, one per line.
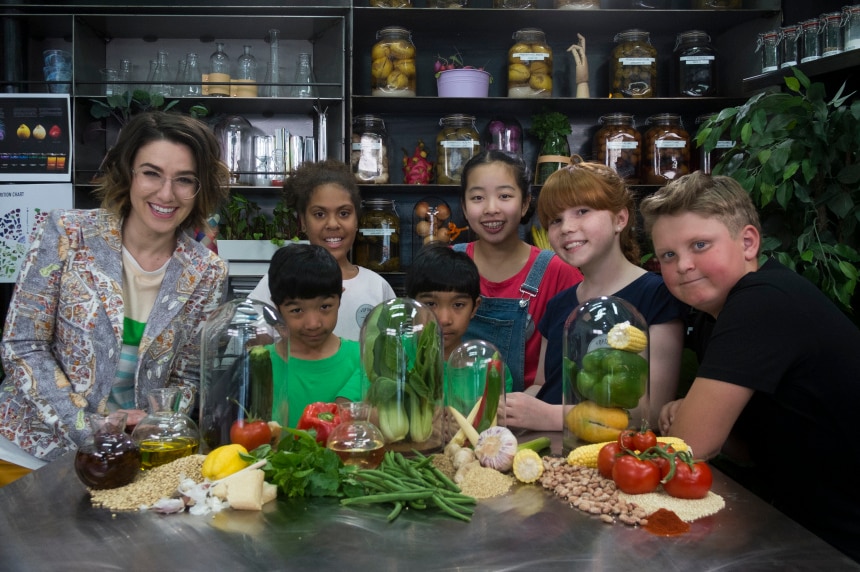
<point x="554" y="154"/>
<point x="219" y="72"/>
<point x="304" y="80"/>
<point x="474" y="386"/>
<point x="165" y="434"/>
<point x="109" y="458"/>
<point x="356" y="440"/>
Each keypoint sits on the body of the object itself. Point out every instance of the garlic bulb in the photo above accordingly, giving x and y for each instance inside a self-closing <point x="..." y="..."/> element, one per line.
<point x="496" y="448"/>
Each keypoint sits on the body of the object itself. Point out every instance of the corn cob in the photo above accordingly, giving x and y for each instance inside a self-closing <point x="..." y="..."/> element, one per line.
<point x="540" y="239"/>
<point x="528" y="466"/>
<point x="586" y="455"/>
<point x="625" y="337"/>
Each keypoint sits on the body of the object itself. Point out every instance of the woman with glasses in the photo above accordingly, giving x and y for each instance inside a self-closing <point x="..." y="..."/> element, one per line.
<point x="110" y="302"/>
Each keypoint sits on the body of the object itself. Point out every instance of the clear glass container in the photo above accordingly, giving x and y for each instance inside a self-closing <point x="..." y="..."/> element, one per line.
<point x="768" y="51"/>
<point x="577" y="4"/>
<point x="604" y="386"/>
<point x="529" y="65"/>
<point x="402" y="374"/>
<point x="718" y="4"/>
<point x="125" y="76"/>
<point x="695" y="65"/>
<point x="234" y="133"/>
<point x="304" y="82"/>
<point x="516" y="4"/>
<point x="474" y="382"/>
<point x="161" y="78"/>
<point x="165" y="434"/>
<point x="392" y="68"/>
<point x="504" y="133"/>
<point x="274" y="71"/>
<point x="109" y="458"/>
<point x="391" y="3"/>
<point x="245" y="82"/>
<point x="810" y="40"/>
<point x="832" y="41"/>
<point x="553" y="155"/>
<point x="633" y="65"/>
<point x="707" y="160"/>
<point x="244" y="351"/>
<point x="377" y="245"/>
<point x="219" y="72"/>
<point x="789" y="46"/>
<point x="618" y="145"/>
<point x="447" y="3"/>
<point x="852" y="27"/>
<point x="178" y="87"/>
<point x="191" y="81"/>
<point x="369" y="154"/>
<point x="667" y="149"/>
<point x="356" y="440"/>
<point x="430" y="218"/>
<point x="457" y="142"/>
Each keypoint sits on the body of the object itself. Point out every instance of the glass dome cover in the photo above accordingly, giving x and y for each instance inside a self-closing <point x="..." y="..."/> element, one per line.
<point x="475" y="385"/>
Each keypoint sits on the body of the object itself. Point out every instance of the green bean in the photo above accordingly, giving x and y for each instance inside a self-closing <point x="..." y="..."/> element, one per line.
<point x="449" y="510"/>
<point x="449" y="484"/>
<point x="389" y="497"/>
<point x="398" y="506"/>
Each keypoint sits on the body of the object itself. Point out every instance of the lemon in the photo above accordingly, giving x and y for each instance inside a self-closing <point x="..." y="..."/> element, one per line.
<point x="518" y="73"/>
<point x="397" y="80"/>
<point x="402" y="50"/>
<point x="406" y="67"/>
<point x="541" y="82"/>
<point x="223" y="462"/>
<point x="381" y="68"/>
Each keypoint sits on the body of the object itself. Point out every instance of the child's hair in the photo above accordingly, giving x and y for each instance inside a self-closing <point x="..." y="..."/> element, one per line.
<point x="438" y="268"/>
<point x="592" y="185"/>
<point x="721" y="198"/>
<point x="303" y="271"/>
<point x="517" y="168"/>
<point x="301" y="182"/>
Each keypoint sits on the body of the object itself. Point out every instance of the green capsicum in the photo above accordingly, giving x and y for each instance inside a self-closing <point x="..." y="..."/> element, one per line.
<point x="613" y="378"/>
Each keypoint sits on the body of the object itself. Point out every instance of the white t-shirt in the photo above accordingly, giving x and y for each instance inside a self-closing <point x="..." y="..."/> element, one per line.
<point x="360" y="295"/>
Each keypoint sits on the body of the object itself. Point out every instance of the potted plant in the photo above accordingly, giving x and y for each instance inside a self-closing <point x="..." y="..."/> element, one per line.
<point x="121" y="106"/>
<point x="245" y="232"/>
<point x="552" y="129"/>
<point x="455" y="79"/>
<point x="797" y="153"/>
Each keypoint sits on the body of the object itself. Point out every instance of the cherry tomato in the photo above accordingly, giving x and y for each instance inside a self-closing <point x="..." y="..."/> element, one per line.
<point x="690" y="482"/>
<point x="634" y="476"/>
<point x="637" y="440"/>
<point x="606" y="459"/>
<point x="625" y="438"/>
<point x="250" y="434"/>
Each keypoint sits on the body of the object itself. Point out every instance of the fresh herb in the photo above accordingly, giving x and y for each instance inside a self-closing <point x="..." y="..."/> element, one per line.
<point x="550" y="124"/>
<point x="243" y="219"/>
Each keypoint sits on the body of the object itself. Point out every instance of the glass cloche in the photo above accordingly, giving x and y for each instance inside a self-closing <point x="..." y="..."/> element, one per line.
<point x="243" y="366"/>
<point x="475" y="386"/>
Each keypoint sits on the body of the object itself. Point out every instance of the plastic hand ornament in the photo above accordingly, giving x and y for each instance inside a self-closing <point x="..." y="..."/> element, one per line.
<point x="578" y="51"/>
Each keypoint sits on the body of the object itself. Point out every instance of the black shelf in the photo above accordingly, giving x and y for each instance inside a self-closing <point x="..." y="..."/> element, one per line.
<point x="841" y="67"/>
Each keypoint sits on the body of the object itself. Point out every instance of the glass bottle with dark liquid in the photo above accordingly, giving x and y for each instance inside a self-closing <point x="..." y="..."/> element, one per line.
<point x="110" y="458"/>
<point x="165" y="435"/>
<point x="356" y="440"/>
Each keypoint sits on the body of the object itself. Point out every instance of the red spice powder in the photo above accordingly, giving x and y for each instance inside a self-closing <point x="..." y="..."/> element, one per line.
<point x="666" y="523"/>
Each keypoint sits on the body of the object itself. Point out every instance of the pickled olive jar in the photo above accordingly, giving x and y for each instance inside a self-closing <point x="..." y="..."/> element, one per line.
<point x="377" y="245"/>
<point x="633" y="65"/>
<point x="392" y="63"/>
<point x="789" y="46"/>
<point x="667" y="149"/>
<point x="577" y="4"/>
<point x="530" y="65"/>
<point x="369" y="154"/>
<point x="767" y="48"/>
<point x="618" y="145"/>
<point x="705" y="160"/>
<point x="456" y="143"/>
<point x="695" y="64"/>
<point x="832" y="41"/>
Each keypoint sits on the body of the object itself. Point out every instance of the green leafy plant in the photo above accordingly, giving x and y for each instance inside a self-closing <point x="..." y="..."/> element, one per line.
<point x="243" y="219"/>
<point x="552" y="129"/>
<point x="796" y="153"/>
<point x="122" y="106"/>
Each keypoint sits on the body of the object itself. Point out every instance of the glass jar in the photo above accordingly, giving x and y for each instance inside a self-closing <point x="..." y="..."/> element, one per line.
<point x="633" y="65"/>
<point x="517" y="4"/>
<point x="165" y="434"/>
<point x="604" y="382"/>
<point x="245" y="82"/>
<point x="504" y="134"/>
<point x="577" y="4"/>
<point x="392" y="68"/>
<point x="707" y="160"/>
<point x="789" y="52"/>
<point x="430" y="221"/>
<point x="553" y="155"/>
<point x="852" y="27"/>
<point x="356" y="440"/>
<point x="618" y="145"/>
<point x="244" y="351"/>
<point x="810" y="40"/>
<point x="475" y="371"/>
<point x="832" y="41"/>
<point x="530" y="65"/>
<point x="377" y="245"/>
<point x="234" y="135"/>
<point x="391" y="3"/>
<point x="304" y="83"/>
<point x="402" y="374"/>
<point x="369" y="156"/>
<point x="219" y="72"/>
<point x="695" y="64"/>
<point x="718" y="4"/>
<point x="447" y="3"/>
<point x="768" y="51"/>
<point x="161" y="76"/>
<point x="667" y="149"/>
<point x="456" y="143"/>
<point x="109" y="458"/>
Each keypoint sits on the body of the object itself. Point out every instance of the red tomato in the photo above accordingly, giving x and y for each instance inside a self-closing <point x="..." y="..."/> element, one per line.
<point x="250" y="434"/>
<point x="690" y="483"/>
<point x="662" y="462"/>
<point x="625" y="438"/>
<point x="606" y="459"/>
<point x="634" y="476"/>
<point x="644" y="440"/>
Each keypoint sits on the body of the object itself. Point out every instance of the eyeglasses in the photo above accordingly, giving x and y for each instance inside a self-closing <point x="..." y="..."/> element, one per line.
<point x="185" y="186"/>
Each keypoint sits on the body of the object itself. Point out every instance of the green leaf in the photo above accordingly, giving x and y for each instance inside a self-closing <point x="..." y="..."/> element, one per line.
<point x="841" y="204"/>
<point x="790" y="170"/>
<point x="792" y="84"/>
<point x="848" y="270"/>
<point x="849" y="175"/>
<point x="806" y="256"/>
<point x="746" y="133"/>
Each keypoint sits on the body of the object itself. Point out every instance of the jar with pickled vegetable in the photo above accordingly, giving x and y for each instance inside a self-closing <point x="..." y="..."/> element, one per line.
<point x="618" y="145"/>
<point x="504" y="134"/>
<point x="695" y="65"/>
<point x="577" y="4"/>
<point x="456" y="143"/>
<point x="369" y="154"/>
<point x="520" y="4"/>
<point x="391" y="3"/>
<point x="667" y="149"/>
<point x="707" y="160"/>
<point x="633" y="65"/>
<point x="530" y="65"/>
<point x="447" y="3"/>
<point x="430" y="220"/>
<point x="392" y="67"/>
<point x="377" y="245"/>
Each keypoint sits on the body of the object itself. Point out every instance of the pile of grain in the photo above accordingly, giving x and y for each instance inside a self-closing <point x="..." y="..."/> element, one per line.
<point x="484" y="483"/>
<point x="687" y="510"/>
<point x="150" y="486"/>
<point x="444" y="464"/>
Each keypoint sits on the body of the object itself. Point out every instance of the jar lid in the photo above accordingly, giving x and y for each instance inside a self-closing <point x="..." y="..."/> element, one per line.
<point x="393" y="31"/>
<point x="457" y="118"/>
<point x="378" y="203"/>
<point x="704" y="117"/>
<point x="630" y="35"/>
<point x="854" y="8"/>
<point x="692" y="35"/>
<point x="810" y="24"/>
<point x="529" y="34"/>
<point x="367" y="120"/>
<point x="790" y="29"/>
<point x="663" y="118"/>
<point x="616" y="118"/>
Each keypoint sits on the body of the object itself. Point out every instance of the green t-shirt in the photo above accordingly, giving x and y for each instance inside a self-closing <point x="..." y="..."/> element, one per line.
<point x="309" y="381"/>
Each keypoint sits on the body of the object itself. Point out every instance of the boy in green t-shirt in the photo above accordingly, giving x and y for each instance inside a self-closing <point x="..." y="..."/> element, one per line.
<point x="306" y="285"/>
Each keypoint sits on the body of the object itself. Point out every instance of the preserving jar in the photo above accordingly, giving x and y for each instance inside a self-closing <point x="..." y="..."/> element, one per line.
<point x="605" y="375"/>
<point x="447" y="3"/>
<point x="707" y="160"/>
<point x="377" y="245"/>
<point x="530" y="65"/>
<point x="789" y="46"/>
<point x="577" y="4"/>
<point x="515" y="4"/>
<point x="768" y="52"/>
<point x="618" y="145"/>
<point x="430" y="221"/>
<point x="504" y="134"/>
<point x="718" y="4"/>
<point x="667" y="149"/>
<point x="831" y="33"/>
<point x="852" y="27"/>
<point x="695" y="64"/>
<point x="810" y="40"/>
<point x="633" y="65"/>
<point x="392" y="67"/>
<point x="369" y="156"/>
<point x="456" y="143"/>
<point x="391" y="3"/>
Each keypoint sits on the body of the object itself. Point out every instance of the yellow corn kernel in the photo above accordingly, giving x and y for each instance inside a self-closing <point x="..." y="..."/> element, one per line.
<point x="586" y="455"/>
<point x="528" y="466"/>
<point x="625" y="337"/>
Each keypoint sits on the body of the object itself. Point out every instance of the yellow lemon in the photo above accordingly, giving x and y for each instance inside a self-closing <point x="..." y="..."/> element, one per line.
<point x="595" y="424"/>
<point x="402" y="50"/>
<point x="23" y="131"/>
<point x="223" y="462"/>
<point x="381" y="68"/>
<point x="397" y="80"/>
<point x="518" y="73"/>
<point x="379" y="51"/>
<point x="539" y="67"/>
<point x="405" y="66"/>
<point x="518" y="48"/>
<point x="540" y="81"/>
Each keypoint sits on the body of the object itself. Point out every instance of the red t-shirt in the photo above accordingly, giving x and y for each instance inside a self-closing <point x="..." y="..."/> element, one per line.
<point x="558" y="276"/>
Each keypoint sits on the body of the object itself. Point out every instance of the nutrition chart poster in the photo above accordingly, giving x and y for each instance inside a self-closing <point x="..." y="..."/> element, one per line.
<point x="35" y="137"/>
